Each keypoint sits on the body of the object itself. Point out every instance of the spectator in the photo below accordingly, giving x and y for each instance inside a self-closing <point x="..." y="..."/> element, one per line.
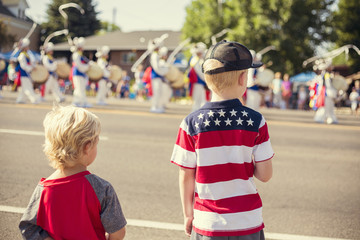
<point x="286" y="90"/>
<point x="276" y="90"/>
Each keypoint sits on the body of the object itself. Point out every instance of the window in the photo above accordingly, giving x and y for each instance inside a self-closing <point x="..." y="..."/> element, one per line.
<point x="129" y="57"/>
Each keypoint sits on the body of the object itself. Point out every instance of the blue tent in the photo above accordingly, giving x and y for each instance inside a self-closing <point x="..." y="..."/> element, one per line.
<point x="303" y="77"/>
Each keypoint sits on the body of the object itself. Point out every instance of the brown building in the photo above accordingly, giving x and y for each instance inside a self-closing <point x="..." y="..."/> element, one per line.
<point x="12" y="13"/>
<point x="126" y="47"/>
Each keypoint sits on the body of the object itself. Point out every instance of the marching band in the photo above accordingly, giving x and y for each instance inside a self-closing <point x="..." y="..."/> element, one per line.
<point x="160" y="80"/>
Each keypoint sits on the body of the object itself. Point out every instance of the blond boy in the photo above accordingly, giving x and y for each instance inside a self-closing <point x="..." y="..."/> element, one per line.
<point x="72" y="203"/>
<point x="220" y="148"/>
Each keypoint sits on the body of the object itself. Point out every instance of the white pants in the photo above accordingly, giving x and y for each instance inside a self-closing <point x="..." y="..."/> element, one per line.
<point x="326" y="113"/>
<point x="253" y="99"/>
<point x="157" y="91"/>
<point x="79" y="91"/>
<point x="27" y="89"/>
<point x="52" y="85"/>
<point x="198" y="96"/>
<point x="102" y="91"/>
<point x="166" y="94"/>
<point x="277" y="99"/>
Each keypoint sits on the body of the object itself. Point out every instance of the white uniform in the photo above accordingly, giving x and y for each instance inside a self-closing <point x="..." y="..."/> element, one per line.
<point x="52" y="84"/>
<point x="327" y="112"/>
<point x="159" y="70"/>
<point x="27" y="64"/>
<point x="102" y="84"/>
<point x="80" y="79"/>
<point x="198" y="88"/>
<point x="253" y="97"/>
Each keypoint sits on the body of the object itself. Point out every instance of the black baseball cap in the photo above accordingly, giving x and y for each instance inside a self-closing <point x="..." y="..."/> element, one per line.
<point x="233" y="55"/>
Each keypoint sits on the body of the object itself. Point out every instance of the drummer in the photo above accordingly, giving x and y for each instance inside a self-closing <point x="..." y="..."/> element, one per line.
<point x="253" y="96"/>
<point x="159" y="70"/>
<point x="26" y="64"/>
<point x="103" y="55"/>
<point x="52" y="84"/>
<point x="166" y="91"/>
<point x="79" y="76"/>
<point x="198" y="86"/>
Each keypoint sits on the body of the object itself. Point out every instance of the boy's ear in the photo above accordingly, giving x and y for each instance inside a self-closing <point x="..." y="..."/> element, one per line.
<point x="86" y="147"/>
<point x="242" y="79"/>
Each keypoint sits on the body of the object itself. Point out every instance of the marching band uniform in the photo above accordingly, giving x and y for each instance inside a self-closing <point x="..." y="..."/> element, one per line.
<point x="253" y="96"/>
<point x="79" y="69"/>
<point x="166" y="91"/>
<point x="324" y="99"/>
<point x="196" y="76"/>
<point x="102" y="61"/>
<point x="159" y="70"/>
<point x="52" y="83"/>
<point x="26" y="65"/>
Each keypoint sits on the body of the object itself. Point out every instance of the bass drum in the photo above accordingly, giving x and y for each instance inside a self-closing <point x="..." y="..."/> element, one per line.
<point x="95" y="72"/>
<point x="175" y="77"/>
<point x="264" y="77"/>
<point x="63" y="70"/>
<point x="339" y="83"/>
<point x="115" y="73"/>
<point x="39" y="74"/>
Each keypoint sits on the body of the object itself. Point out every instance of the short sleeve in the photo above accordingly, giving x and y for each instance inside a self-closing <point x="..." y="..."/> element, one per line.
<point x="29" y="229"/>
<point x="262" y="149"/>
<point x="184" y="154"/>
<point x="111" y="213"/>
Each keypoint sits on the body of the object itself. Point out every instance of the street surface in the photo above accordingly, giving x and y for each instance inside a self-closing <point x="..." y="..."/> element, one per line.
<point x="314" y="193"/>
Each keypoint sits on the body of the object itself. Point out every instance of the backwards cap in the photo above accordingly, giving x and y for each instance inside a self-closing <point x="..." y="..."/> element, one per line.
<point x="233" y="55"/>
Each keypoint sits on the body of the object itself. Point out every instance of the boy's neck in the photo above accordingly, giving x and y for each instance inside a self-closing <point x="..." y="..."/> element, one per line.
<point x="60" y="173"/>
<point x="227" y="94"/>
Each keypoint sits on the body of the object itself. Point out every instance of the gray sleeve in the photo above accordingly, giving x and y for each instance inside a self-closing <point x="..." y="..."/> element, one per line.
<point x="29" y="229"/>
<point x="111" y="213"/>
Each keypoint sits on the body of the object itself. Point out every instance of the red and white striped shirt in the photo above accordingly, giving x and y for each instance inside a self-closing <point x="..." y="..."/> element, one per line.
<point x="221" y="140"/>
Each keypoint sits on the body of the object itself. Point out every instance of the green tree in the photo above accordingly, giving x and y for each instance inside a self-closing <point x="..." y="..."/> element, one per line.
<point x="294" y="27"/>
<point x="79" y="25"/>
<point x="108" y="27"/>
<point x="5" y="38"/>
<point x="347" y="29"/>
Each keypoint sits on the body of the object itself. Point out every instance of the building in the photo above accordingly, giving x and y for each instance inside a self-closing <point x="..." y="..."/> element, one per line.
<point x="12" y="13"/>
<point x="126" y="47"/>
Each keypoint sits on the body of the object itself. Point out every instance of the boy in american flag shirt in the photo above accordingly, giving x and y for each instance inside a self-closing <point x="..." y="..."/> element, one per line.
<point x="220" y="148"/>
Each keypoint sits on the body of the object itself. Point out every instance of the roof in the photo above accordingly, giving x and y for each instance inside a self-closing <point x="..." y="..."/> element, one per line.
<point x="4" y="10"/>
<point x="137" y="40"/>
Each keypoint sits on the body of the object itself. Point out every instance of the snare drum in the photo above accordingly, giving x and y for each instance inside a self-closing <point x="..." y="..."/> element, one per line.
<point x="63" y="70"/>
<point x="39" y="74"/>
<point x="264" y="77"/>
<point x="175" y="77"/>
<point x="115" y="73"/>
<point x="95" y="72"/>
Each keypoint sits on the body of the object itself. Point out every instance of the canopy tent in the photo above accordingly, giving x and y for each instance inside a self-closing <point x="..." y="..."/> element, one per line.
<point x="303" y="77"/>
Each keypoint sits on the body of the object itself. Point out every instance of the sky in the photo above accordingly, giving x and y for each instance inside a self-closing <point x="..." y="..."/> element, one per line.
<point x="131" y="15"/>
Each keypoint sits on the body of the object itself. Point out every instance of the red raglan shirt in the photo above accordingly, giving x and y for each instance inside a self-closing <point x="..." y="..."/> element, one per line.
<point x="81" y="206"/>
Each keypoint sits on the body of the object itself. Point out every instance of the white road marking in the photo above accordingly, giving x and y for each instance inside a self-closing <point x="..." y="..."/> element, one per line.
<point x="179" y="227"/>
<point x="33" y="133"/>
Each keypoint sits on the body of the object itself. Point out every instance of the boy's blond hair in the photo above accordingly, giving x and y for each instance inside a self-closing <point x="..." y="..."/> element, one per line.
<point x="221" y="81"/>
<point x="67" y="130"/>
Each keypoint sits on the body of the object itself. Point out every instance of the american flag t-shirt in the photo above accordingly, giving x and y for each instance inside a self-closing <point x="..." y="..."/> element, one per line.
<point x="221" y="140"/>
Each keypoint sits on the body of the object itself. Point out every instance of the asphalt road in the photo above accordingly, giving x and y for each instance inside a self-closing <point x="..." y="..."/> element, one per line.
<point x="315" y="190"/>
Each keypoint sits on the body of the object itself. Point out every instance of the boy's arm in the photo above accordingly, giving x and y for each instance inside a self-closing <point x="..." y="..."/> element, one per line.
<point x="263" y="170"/>
<point x="28" y="227"/>
<point x="187" y="189"/>
<point x="118" y="235"/>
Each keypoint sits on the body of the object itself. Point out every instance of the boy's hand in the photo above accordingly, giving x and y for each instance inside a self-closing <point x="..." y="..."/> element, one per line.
<point x="188" y="225"/>
<point x="49" y="238"/>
